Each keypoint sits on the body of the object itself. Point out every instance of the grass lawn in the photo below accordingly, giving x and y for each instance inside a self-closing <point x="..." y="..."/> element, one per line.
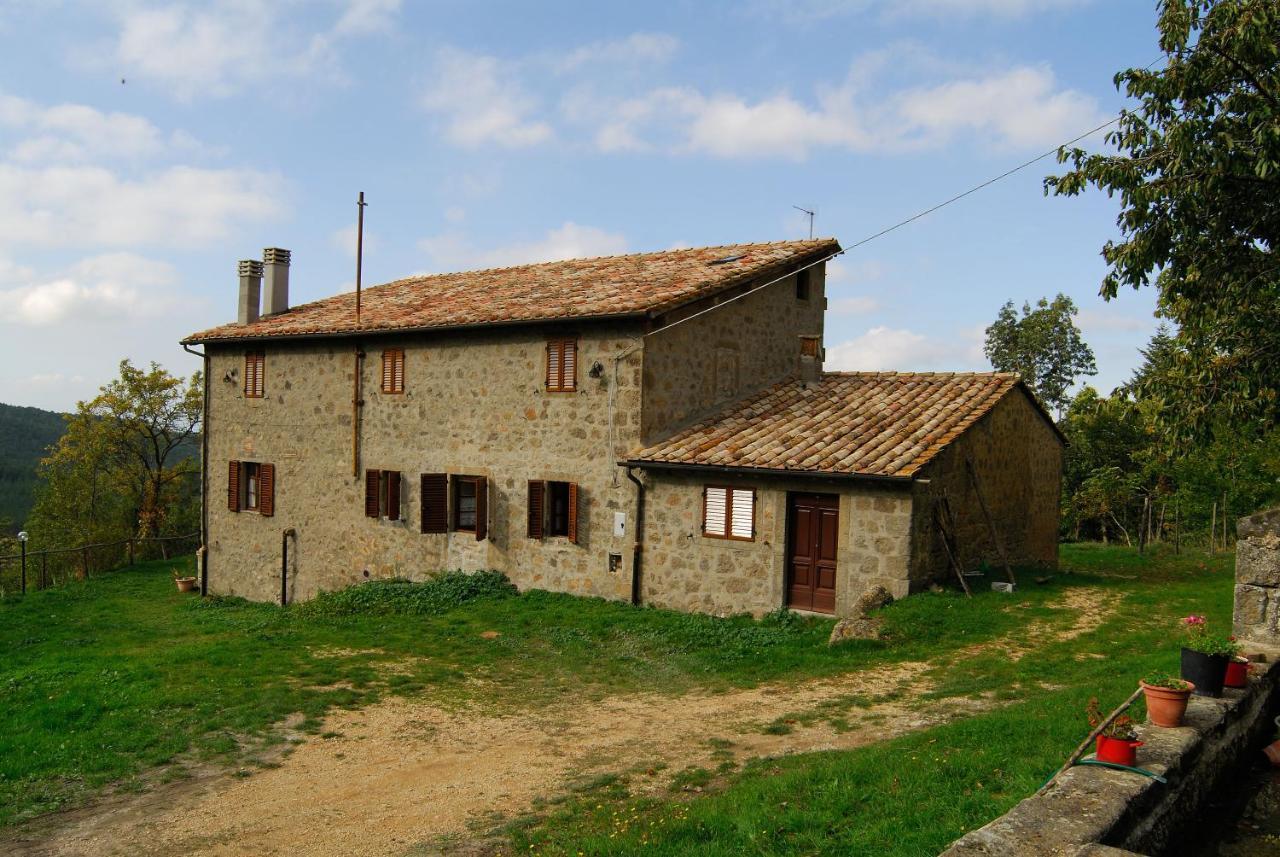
<point x="116" y="678"/>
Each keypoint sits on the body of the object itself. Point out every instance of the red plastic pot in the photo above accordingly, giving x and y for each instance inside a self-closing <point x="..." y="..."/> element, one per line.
<point x="1237" y="673"/>
<point x="1117" y="751"/>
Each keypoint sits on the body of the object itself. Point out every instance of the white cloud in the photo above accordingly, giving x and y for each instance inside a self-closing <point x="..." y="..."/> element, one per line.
<point x="93" y="206"/>
<point x="481" y="102"/>
<point x="641" y="48"/>
<point x="111" y="286"/>
<point x="452" y="252"/>
<point x="884" y="348"/>
<point x="217" y="48"/>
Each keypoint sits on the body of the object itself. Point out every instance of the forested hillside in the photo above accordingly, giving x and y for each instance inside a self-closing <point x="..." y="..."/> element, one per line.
<point x="25" y="436"/>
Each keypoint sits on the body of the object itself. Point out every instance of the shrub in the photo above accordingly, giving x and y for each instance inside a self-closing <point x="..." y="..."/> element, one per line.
<point x="439" y="594"/>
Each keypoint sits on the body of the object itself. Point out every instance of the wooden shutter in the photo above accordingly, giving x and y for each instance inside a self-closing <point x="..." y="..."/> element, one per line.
<point x="233" y="486"/>
<point x="482" y="508"/>
<point x="435" y="503"/>
<point x="393" y="494"/>
<point x="537" y="507"/>
<point x="573" y="512"/>
<point x="371" y="481"/>
<point x="267" y="489"/>
<point x="742" y="514"/>
<point x="393" y="370"/>
<point x="254" y="368"/>
<point x="715" y="511"/>
<point x="569" y="364"/>
<point x="387" y="375"/>
<point x="553" y="364"/>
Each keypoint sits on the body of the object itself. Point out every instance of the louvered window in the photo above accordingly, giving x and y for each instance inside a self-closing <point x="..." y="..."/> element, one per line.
<point x="393" y="370"/>
<point x="562" y="365"/>
<point x="251" y="487"/>
<point x="254" y="371"/>
<point x="435" y="503"/>
<point x="471" y="505"/>
<point x="728" y="513"/>
<point x="554" y="510"/>
<point x="382" y="494"/>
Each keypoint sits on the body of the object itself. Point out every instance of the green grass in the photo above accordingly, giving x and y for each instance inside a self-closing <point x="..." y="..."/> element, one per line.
<point x="120" y="679"/>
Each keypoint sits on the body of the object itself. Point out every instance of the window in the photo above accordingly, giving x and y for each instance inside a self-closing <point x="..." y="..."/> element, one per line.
<point x="553" y="510"/>
<point x="802" y="285"/>
<point x="471" y="505"/>
<point x="562" y="365"/>
<point x="729" y="513"/>
<point x="251" y="487"/>
<point x="435" y="503"/>
<point x="254" y="369"/>
<point x="382" y="494"/>
<point x="393" y="370"/>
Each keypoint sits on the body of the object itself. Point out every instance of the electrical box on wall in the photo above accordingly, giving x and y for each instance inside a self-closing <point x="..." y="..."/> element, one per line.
<point x="619" y="523"/>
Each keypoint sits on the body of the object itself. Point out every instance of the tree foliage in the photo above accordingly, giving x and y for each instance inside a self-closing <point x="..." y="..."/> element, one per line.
<point x="1198" y="175"/>
<point x="126" y="465"/>
<point x="1044" y="346"/>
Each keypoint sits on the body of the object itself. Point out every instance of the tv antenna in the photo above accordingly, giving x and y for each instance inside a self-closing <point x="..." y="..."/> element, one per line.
<point x="811" y="216"/>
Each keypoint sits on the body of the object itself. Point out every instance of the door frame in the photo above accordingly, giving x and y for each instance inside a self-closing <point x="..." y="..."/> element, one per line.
<point x="834" y="499"/>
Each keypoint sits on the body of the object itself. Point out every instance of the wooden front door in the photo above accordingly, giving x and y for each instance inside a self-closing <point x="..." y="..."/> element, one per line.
<point x="813" y="525"/>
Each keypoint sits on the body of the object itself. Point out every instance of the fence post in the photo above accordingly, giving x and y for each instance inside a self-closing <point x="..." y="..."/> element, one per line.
<point x="24" y="563"/>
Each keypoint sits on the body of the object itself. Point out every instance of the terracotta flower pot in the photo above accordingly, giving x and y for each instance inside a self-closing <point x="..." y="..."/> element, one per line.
<point x="1165" y="706"/>
<point x="1237" y="673"/>
<point x="185" y="584"/>
<point x="1118" y="751"/>
<point x="1206" y="672"/>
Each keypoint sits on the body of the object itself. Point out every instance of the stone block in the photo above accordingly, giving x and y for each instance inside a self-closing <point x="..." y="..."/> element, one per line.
<point x="1261" y="524"/>
<point x="1250" y="610"/>
<point x="1258" y="561"/>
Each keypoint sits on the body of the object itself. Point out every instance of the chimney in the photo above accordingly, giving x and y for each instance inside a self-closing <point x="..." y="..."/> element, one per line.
<point x="811" y="354"/>
<point x="275" y="297"/>
<point x="250" y="291"/>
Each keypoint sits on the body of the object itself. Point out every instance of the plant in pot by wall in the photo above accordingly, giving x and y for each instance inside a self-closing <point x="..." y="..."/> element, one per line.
<point x="1237" y="670"/>
<point x="1166" y="698"/>
<point x="1118" y="742"/>
<point x="184" y="583"/>
<point x="1205" y="656"/>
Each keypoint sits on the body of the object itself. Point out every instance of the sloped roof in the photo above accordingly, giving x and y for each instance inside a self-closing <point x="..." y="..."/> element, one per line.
<point x="872" y="424"/>
<point x="608" y="286"/>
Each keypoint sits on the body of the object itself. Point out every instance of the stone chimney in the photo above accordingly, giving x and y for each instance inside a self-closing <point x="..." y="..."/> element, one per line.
<point x="250" y="291"/>
<point x="275" y="297"/>
<point x="811" y="354"/>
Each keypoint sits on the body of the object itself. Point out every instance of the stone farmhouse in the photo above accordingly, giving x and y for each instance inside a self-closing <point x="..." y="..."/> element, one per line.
<point x="653" y="427"/>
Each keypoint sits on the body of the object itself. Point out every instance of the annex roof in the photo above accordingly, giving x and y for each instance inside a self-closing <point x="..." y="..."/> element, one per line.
<point x="640" y="284"/>
<point x="869" y="424"/>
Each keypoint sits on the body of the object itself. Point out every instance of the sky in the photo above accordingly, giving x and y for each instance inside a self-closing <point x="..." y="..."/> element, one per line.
<point x="145" y="147"/>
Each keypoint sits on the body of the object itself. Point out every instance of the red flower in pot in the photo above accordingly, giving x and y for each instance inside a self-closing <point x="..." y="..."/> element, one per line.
<point x="1118" y="741"/>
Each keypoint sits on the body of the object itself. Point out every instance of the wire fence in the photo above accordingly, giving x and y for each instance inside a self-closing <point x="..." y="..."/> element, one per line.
<point x="42" y="569"/>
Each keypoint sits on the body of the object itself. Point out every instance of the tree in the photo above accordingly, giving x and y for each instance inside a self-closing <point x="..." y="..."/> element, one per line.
<point x="1044" y="346"/>
<point x="126" y="465"/>
<point x="1198" y="176"/>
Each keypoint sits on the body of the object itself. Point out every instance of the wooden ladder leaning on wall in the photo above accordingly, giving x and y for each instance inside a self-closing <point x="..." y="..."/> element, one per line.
<point x="946" y="526"/>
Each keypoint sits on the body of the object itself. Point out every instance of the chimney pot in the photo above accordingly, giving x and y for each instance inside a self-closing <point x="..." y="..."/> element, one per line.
<point x="250" y="291"/>
<point x="275" y="298"/>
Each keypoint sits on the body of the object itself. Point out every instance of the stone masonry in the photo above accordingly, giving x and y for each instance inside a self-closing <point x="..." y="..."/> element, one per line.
<point x="1257" y="605"/>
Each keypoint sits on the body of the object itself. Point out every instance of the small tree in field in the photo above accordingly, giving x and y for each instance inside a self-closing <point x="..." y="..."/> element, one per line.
<point x="1044" y="346"/>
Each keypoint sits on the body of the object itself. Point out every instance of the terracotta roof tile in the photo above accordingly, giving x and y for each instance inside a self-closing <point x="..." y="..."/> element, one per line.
<point x="641" y="283"/>
<point x="886" y="424"/>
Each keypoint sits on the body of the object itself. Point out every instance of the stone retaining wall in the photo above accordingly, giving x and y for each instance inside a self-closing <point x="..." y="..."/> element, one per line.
<point x="1257" y="610"/>
<point x="1099" y="811"/>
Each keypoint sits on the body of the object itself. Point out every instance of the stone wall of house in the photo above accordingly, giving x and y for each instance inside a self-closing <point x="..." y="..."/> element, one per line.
<point x="696" y="366"/>
<point x="1257" y="607"/>
<point x="685" y="570"/>
<point x="1018" y="460"/>
<point x="474" y="404"/>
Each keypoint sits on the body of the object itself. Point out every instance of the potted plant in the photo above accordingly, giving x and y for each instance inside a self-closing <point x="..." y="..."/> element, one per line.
<point x="184" y="583"/>
<point x="1205" y="656"/>
<point x="1237" y="670"/>
<point x="1118" y="741"/>
<point x="1166" y="698"/>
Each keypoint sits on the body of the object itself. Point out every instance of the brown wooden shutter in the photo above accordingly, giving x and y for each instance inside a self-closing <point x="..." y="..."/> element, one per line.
<point x="267" y="489"/>
<point x="388" y="362"/>
<point x="569" y="364"/>
<point x="537" y="504"/>
<point x="233" y="486"/>
<point x="371" y="481"/>
<point x="482" y="508"/>
<point x="393" y="494"/>
<point x="573" y="512"/>
<point x="553" y="365"/>
<point x="435" y="503"/>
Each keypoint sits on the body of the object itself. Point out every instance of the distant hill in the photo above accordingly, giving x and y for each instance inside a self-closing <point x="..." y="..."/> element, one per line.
<point x="25" y="436"/>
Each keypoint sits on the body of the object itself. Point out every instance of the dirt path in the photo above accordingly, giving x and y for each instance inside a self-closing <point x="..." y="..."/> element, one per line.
<point x="406" y="773"/>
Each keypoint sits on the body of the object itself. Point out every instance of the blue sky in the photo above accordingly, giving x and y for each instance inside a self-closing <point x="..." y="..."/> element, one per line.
<point x="496" y="133"/>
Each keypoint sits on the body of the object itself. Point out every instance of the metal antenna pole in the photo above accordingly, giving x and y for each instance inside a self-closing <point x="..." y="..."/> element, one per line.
<point x="811" y="214"/>
<point x="360" y="203"/>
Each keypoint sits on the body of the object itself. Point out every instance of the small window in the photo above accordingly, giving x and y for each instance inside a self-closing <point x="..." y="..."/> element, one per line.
<point x="464" y="503"/>
<point x="729" y="513"/>
<point x="393" y="370"/>
<point x="382" y="494"/>
<point x="553" y="510"/>
<point x="802" y="285"/>
<point x="251" y="487"/>
<point x="562" y="365"/>
<point x="254" y="369"/>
